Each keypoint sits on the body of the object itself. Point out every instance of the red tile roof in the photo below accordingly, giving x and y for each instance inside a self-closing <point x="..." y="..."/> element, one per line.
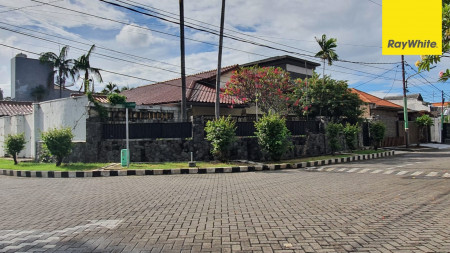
<point x="10" y="108"/>
<point x="439" y="104"/>
<point x="371" y="99"/>
<point x="200" y="88"/>
<point x="100" y="98"/>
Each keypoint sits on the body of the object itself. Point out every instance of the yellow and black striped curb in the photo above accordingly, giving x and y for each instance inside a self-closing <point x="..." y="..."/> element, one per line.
<point x="114" y="173"/>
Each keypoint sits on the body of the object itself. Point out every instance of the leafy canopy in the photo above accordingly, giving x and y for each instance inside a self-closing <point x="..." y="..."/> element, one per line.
<point x="58" y="142"/>
<point x="334" y="132"/>
<point x="222" y="134"/>
<point x="326" y="97"/>
<point x="116" y="99"/>
<point x="273" y="135"/>
<point x="14" y="144"/>
<point x="62" y="66"/>
<point x="428" y="60"/>
<point x="377" y="130"/>
<point x="267" y="86"/>
<point x="327" y="49"/>
<point x="83" y="64"/>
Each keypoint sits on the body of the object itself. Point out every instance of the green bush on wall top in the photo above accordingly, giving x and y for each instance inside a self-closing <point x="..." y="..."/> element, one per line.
<point x="116" y="99"/>
<point x="351" y="135"/>
<point x="14" y="144"/>
<point x="221" y="133"/>
<point x="273" y="135"/>
<point x="377" y="130"/>
<point x="334" y="131"/>
<point x="58" y="142"/>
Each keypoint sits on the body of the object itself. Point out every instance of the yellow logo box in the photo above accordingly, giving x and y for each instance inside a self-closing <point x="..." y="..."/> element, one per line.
<point x="412" y="27"/>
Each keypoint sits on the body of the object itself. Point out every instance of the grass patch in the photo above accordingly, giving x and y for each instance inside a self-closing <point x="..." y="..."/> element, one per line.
<point x="9" y="165"/>
<point x="180" y="165"/>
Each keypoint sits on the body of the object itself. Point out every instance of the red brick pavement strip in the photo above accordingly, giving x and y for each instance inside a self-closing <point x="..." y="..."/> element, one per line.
<point x="271" y="211"/>
<point x="112" y="173"/>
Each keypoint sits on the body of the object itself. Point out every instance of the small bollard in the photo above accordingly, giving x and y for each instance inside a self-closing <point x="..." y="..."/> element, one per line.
<point x="192" y="163"/>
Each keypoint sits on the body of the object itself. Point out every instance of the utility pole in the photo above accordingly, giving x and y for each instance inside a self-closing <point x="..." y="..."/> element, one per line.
<point x="442" y="118"/>
<point x="183" y="73"/>
<point x="219" y="62"/>
<point x="405" y="104"/>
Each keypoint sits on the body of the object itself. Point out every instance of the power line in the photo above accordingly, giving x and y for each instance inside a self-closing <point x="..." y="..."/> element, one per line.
<point x="23" y="7"/>
<point x="131" y="76"/>
<point x="374" y="2"/>
<point x="378" y="76"/>
<point x="235" y="38"/>
<point x="174" y="35"/>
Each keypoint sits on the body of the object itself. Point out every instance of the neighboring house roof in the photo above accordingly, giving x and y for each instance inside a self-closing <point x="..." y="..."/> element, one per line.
<point x="417" y="96"/>
<point x="200" y="88"/>
<point x="371" y="99"/>
<point x="439" y="104"/>
<point x="278" y="58"/>
<point x="100" y="98"/>
<point x="11" y="108"/>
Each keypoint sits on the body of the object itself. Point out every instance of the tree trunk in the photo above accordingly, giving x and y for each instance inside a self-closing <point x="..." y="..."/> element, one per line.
<point x="15" y="158"/>
<point x="323" y="84"/>
<point x="60" y="84"/>
<point x="86" y="82"/>
<point x="58" y="161"/>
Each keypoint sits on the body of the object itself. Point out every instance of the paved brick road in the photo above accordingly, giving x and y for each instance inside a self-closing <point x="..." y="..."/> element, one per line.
<point x="283" y="211"/>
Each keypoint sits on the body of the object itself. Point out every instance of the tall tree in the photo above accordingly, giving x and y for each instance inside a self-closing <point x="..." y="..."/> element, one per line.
<point x="267" y="86"/>
<point x="111" y="88"/>
<point x="328" y="97"/>
<point x="428" y="60"/>
<point x="61" y="65"/>
<point x="83" y="64"/>
<point x="327" y="52"/>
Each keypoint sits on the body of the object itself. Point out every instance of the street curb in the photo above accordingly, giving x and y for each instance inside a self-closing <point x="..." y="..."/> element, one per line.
<point x="115" y="173"/>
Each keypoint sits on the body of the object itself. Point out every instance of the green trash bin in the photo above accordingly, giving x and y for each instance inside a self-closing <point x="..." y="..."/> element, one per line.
<point x="123" y="157"/>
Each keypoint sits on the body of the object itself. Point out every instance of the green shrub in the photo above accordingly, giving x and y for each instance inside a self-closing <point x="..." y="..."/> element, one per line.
<point x="423" y="122"/>
<point x="116" y="99"/>
<point x="102" y="112"/>
<point x="273" y="135"/>
<point x="14" y="144"/>
<point x="351" y="135"/>
<point x="221" y="133"/>
<point x="377" y="130"/>
<point x="58" y="142"/>
<point x="334" y="131"/>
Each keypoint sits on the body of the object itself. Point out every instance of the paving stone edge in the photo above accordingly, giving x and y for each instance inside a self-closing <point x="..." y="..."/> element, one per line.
<point x="250" y="168"/>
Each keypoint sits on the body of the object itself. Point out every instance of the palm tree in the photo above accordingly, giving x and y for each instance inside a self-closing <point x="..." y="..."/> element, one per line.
<point x="61" y="65"/>
<point x="111" y="88"/>
<point x="83" y="64"/>
<point x="327" y="52"/>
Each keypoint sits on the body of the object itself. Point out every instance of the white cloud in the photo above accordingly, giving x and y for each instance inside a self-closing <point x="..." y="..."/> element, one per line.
<point x="293" y="23"/>
<point x="132" y="36"/>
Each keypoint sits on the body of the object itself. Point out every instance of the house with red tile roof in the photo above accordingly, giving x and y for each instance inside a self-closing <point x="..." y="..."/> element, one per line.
<point x="200" y="88"/>
<point x="12" y="108"/>
<point x="379" y="109"/>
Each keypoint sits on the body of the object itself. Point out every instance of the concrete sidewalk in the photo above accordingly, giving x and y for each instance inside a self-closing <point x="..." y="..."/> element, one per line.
<point x="436" y="145"/>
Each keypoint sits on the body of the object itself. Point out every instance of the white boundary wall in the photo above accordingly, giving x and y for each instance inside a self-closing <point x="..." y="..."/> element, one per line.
<point x="436" y="130"/>
<point x="67" y="112"/>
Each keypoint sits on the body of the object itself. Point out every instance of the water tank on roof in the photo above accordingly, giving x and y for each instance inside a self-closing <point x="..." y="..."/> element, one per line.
<point x="21" y="55"/>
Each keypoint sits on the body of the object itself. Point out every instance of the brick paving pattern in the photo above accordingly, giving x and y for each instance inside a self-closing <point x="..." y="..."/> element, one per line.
<point x="270" y="211"/>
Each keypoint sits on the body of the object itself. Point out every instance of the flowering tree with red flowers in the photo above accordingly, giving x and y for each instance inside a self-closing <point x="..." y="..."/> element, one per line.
<point x="269" y="87"/>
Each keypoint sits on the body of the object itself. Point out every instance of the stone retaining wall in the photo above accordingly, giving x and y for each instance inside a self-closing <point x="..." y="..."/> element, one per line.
<point x="95" y="149"/>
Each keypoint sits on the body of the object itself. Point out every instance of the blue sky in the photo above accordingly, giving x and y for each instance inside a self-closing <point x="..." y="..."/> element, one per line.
<point x="152" y="53"/>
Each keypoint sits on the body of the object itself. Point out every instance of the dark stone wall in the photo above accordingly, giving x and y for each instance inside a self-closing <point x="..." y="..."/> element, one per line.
<point x="149" y="150"/>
